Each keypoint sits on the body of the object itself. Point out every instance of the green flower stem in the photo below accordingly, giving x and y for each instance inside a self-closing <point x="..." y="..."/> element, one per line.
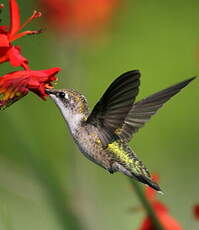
<point x="145" y="203"/>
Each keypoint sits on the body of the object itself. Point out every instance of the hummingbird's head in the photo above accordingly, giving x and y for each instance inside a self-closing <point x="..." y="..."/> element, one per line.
<point x="72" y="105"/>
<point x="69" y="100"/>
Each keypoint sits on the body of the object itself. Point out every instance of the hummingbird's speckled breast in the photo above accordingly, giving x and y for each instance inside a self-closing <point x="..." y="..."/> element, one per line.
<point x="88" y="142"/>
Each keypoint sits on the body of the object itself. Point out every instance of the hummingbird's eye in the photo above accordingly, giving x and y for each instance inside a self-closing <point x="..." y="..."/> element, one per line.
<point x="61" y="94"/>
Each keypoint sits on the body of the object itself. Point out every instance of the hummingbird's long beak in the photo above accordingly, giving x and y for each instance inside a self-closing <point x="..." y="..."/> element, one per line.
<point x="51" y="91"/>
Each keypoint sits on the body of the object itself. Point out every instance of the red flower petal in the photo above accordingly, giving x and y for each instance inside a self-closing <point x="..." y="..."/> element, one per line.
<point x="17" y="84"/>
<point x="15" y="26"/>
<point x="159" y="207"/>
<point x="4" y="54"/>
<point x="15" y="57"/>
<point x="4" y="42"/>
<point x="149" y="192"/>
<point x="36" y="14"/>
<point x="146" y="224"/>
<point x="196" y="211"/>
<point x="80" y="16"/>
<point x="3" y="29"/>
<point x="93" y="15"/>
<point x="161" y="211"/>
<point x="168" y="223"/>
<point x="14" y="17"/>
<point x="58" y="13"/>
<point x="8" y="52"/>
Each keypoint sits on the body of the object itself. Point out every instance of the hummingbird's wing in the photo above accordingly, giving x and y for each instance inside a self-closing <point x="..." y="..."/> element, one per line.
<point x="142" y="110"/>
<point x="111" y="110"/>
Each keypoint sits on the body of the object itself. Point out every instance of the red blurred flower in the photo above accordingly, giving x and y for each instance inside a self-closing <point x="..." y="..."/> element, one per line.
<point x="149" y="192"/>
<point x="161" y="211"/>
<point x="8" y="52"/>
<point x="167" y="221"/>
<point x="80" y="16"/>
<point x="196" y="211"/>
<point x="17" y="84"/>
<point x="57" y="12"/>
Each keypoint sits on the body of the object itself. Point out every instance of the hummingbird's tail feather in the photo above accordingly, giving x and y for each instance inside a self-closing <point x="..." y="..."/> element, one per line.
<point x="127" y="162"/>
<point x="139" y="177"/>
<point x="148" y="182"/>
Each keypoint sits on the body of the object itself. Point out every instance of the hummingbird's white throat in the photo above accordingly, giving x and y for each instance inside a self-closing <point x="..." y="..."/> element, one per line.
<point x="66" y="96"/>
<point x="73" y="119"/>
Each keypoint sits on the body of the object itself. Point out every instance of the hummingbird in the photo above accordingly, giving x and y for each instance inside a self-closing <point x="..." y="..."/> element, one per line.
<point x="102" y="135"/>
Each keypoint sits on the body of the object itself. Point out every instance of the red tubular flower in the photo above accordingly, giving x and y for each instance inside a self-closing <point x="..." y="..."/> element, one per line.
<point x="94" y="16"/>
<point x="167" y="221"/>
<point x="15" y="25"/>
<point x="57" y="13"/>
<point x="78" y="17"/>
<point x="8" y="52"/>
<point x="17" y="84"/>
<point x="161" y="211"/>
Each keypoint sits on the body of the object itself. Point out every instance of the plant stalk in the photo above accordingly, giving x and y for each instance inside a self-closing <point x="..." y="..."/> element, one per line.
<point x="145" y="203"/>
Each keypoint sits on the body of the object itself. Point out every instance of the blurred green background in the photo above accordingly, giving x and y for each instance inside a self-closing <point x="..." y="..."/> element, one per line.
<point x="42" y="173"/>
